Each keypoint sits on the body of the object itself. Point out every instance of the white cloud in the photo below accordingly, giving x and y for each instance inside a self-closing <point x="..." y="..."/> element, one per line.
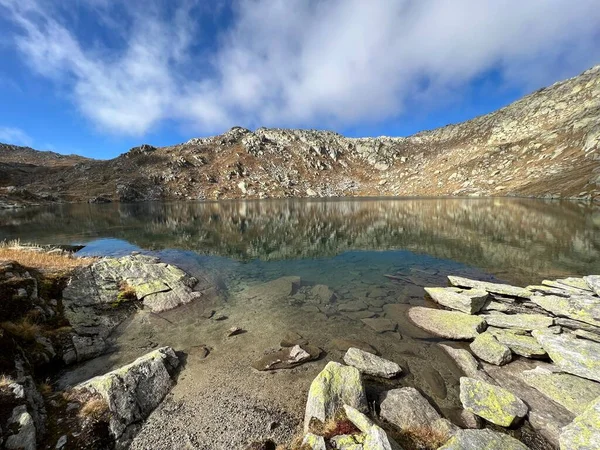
<point x="15" y="136"/>
<point x="297" y="62"/>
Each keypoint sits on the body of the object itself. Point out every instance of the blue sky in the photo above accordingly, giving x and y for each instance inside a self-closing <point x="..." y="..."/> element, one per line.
<point x="96" y="77"/>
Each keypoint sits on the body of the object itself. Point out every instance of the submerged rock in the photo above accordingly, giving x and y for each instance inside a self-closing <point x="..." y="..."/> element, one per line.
<point x="289" y="357"/>
<point x="482" y="439"/>
<point x="135" y="390"/>
<point x="487" y="348"/>
<point x="495" y="288"/>
<point x="335" y="386"/>
<point x="570" y="391"/>
<point x="584" y="432"/>
<point x="380" y="324"/>
<point x="407" y="409"/>
<point x="584" y="308"/>
<point x="577" y="356"/>
<point x="464" y="300"/>
<point x="448" y="324"/>
<point x="492" y="403"/>
<point x="371" y="364"/>
<point x="524" y="322"/>
<point x="344" y="344"/>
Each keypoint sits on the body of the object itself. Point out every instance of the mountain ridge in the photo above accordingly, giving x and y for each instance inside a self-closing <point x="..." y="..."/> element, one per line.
<point x="545" y="144"/>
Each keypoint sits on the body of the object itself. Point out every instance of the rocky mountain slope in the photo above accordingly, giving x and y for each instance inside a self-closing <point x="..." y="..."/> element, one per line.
<point x="544" y="145"/>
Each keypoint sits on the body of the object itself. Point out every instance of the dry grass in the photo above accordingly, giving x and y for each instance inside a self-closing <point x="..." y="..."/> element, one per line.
<point x="39" y="258"/>
<point x="426" y="438"/>
<point x="24" y="329"/>
<point x="5" y="381"/>
<point x="126" y="292"/>
<point x="339" y="424"/>
<point x="45" y="388"/>
<point x="95" y="408"/>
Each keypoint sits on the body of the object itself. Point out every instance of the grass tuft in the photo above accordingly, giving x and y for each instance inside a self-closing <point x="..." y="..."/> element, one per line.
<point x="39" y="258"/>
<point x="5" y="381"/>
<point x="24" y="329"/>
<point x="426" y="438"/>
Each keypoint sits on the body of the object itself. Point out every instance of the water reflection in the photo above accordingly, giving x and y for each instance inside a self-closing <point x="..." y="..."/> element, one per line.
<point x="518" y="239"/>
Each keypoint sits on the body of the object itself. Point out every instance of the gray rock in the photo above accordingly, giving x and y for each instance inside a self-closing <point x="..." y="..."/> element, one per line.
<point x="525" y="322"/>
<point x="571" y="287"/>
<point x="25" y="436"/>
<point x="584" y="432"/>
<point x="570" y="391"/>
<point x="380" y="324"/>
<point x="583" y="334"/>
<point x="519" y="342"/>
<point x="496" y="288"/>
<point x="62" y="441"/>
<point x="467" y="363"/>
<point x="487" y="347"/>
<point x="493" y="403"/>
<point x="448" y="324"/>
<point x="352" y="306"/>
<point x="314" y="442"/>
<point x="584" y="308"/>
<point x="577" y="356"/>
<point x="371" y="364"/>
<point x="407" y="409"/>
<point x="464" y="300"/>
<point x="482" y="439"/>
<point x="87" y="347"/>
<point x="322" y="294"/>
<point x="335" y="386"/>
<point x="376" y="438"/>
<point x="577" y="325"/>
<point x="593" y="281"/>
<point x="135" y="390"/>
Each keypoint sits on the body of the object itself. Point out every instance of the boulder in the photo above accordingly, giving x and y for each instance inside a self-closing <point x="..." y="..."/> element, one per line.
<point x="482" y="439"/>
<point x="448" y="324"/>
<point x="496" y="288"/>
<point x="577" y="356"/>
<point x="519" y="342"/>
<point x="492" y="403"/>
<point x="487" y="347"/>
<point x="466" y="362"/>
<point x="574" y="393"/>
<point x="133" y="391"/>
<point x="464" y="300"/>
<point x="593" y="282"/>
<point x="525" y="322"/>
<point x="313" y="442"/>
<point x="407" y="409"/>
<point x="24" y="437"/>
<point x="584" y="432"/>
<point x="335" y="386"/>
<point x="371" y="364"/>
<point x="584" y="308"/>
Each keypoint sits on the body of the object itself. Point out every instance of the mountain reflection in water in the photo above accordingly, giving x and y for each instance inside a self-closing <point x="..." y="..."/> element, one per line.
<point x="519" y="240"/>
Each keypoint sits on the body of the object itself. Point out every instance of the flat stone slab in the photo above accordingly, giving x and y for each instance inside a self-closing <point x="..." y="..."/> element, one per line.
<point x="483" y="439"/>
<point x="570" y="391"/>
<point x="335" y="386"/>
<point x="352" y="306"/>
<point x="469" y="301"/>
<point x="492" y="403"/>
<point x="577" y="356"/>
<point x="448" y="324"/>
<point x="371" y="364"/>
<point x="584" y="432"/>
<point x="584" y="308"/>
<point x="380" y="324"/>
<point x="567" y="286"/>
<point x="593" y="282"/>
<point x="467" y="363"/>
<point x="525" y="322"/>
<point x="518" y="342"/>
<point x="487" y="348"/>
<point x="495" y="288"/>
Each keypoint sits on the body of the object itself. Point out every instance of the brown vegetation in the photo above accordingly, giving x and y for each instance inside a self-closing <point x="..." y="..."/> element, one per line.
<point x="5" y="381"/>
<point x="426" y="438"/>
<point x="39" y="258"/>
<point x="24" y="329"/>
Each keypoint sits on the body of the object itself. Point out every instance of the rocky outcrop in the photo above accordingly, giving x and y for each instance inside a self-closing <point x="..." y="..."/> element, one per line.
<point x="133" y="391"/>
<point x="469" y="301"/>
<point x="448" y="324"/>
<point x="525" y="322"/>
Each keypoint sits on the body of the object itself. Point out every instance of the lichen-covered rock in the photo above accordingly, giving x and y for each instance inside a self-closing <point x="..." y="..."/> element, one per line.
<point x="525" y="322"/>
<point x="487" y="348"/>
<point x="519" y="342"/>
<point x="492" y="403"/>
<point x="466" y="362"/>
<point x="495" y="288"/>
<point x="335" y="386"/>
<point x="314" y="442"/>
<point x="469" y="301"/>
<point x="133" y="391"/>
<point x="371" y="364"/>
<point x="584" y="308"/>
<point x="374" y="437"/>
<point x="584" y="432"/>
<point x="577" y="356"/>
<point x="593" y="282"/>
<point x="448" y="324"/>
<point x="482" y="440"/>
<point x="408" y="410"/>
<point x="574" y="393"/>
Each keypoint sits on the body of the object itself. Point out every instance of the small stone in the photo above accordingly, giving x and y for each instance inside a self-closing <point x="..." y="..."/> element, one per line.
<point x="487" y="348"/>
<point x="464" y="300"/>
<point x="371" y="364"/>
<point x="492" y="403"/>
<point x="482" y="439"/>
<point x="380" y="324"/>
<point x="448" y="324"/>
<point x="208" y="313"/>
<point x="62" y="441"/>
<point x="525" y="322"/>
<point x="219" y="317"/>
<point x="233" y="331"/>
